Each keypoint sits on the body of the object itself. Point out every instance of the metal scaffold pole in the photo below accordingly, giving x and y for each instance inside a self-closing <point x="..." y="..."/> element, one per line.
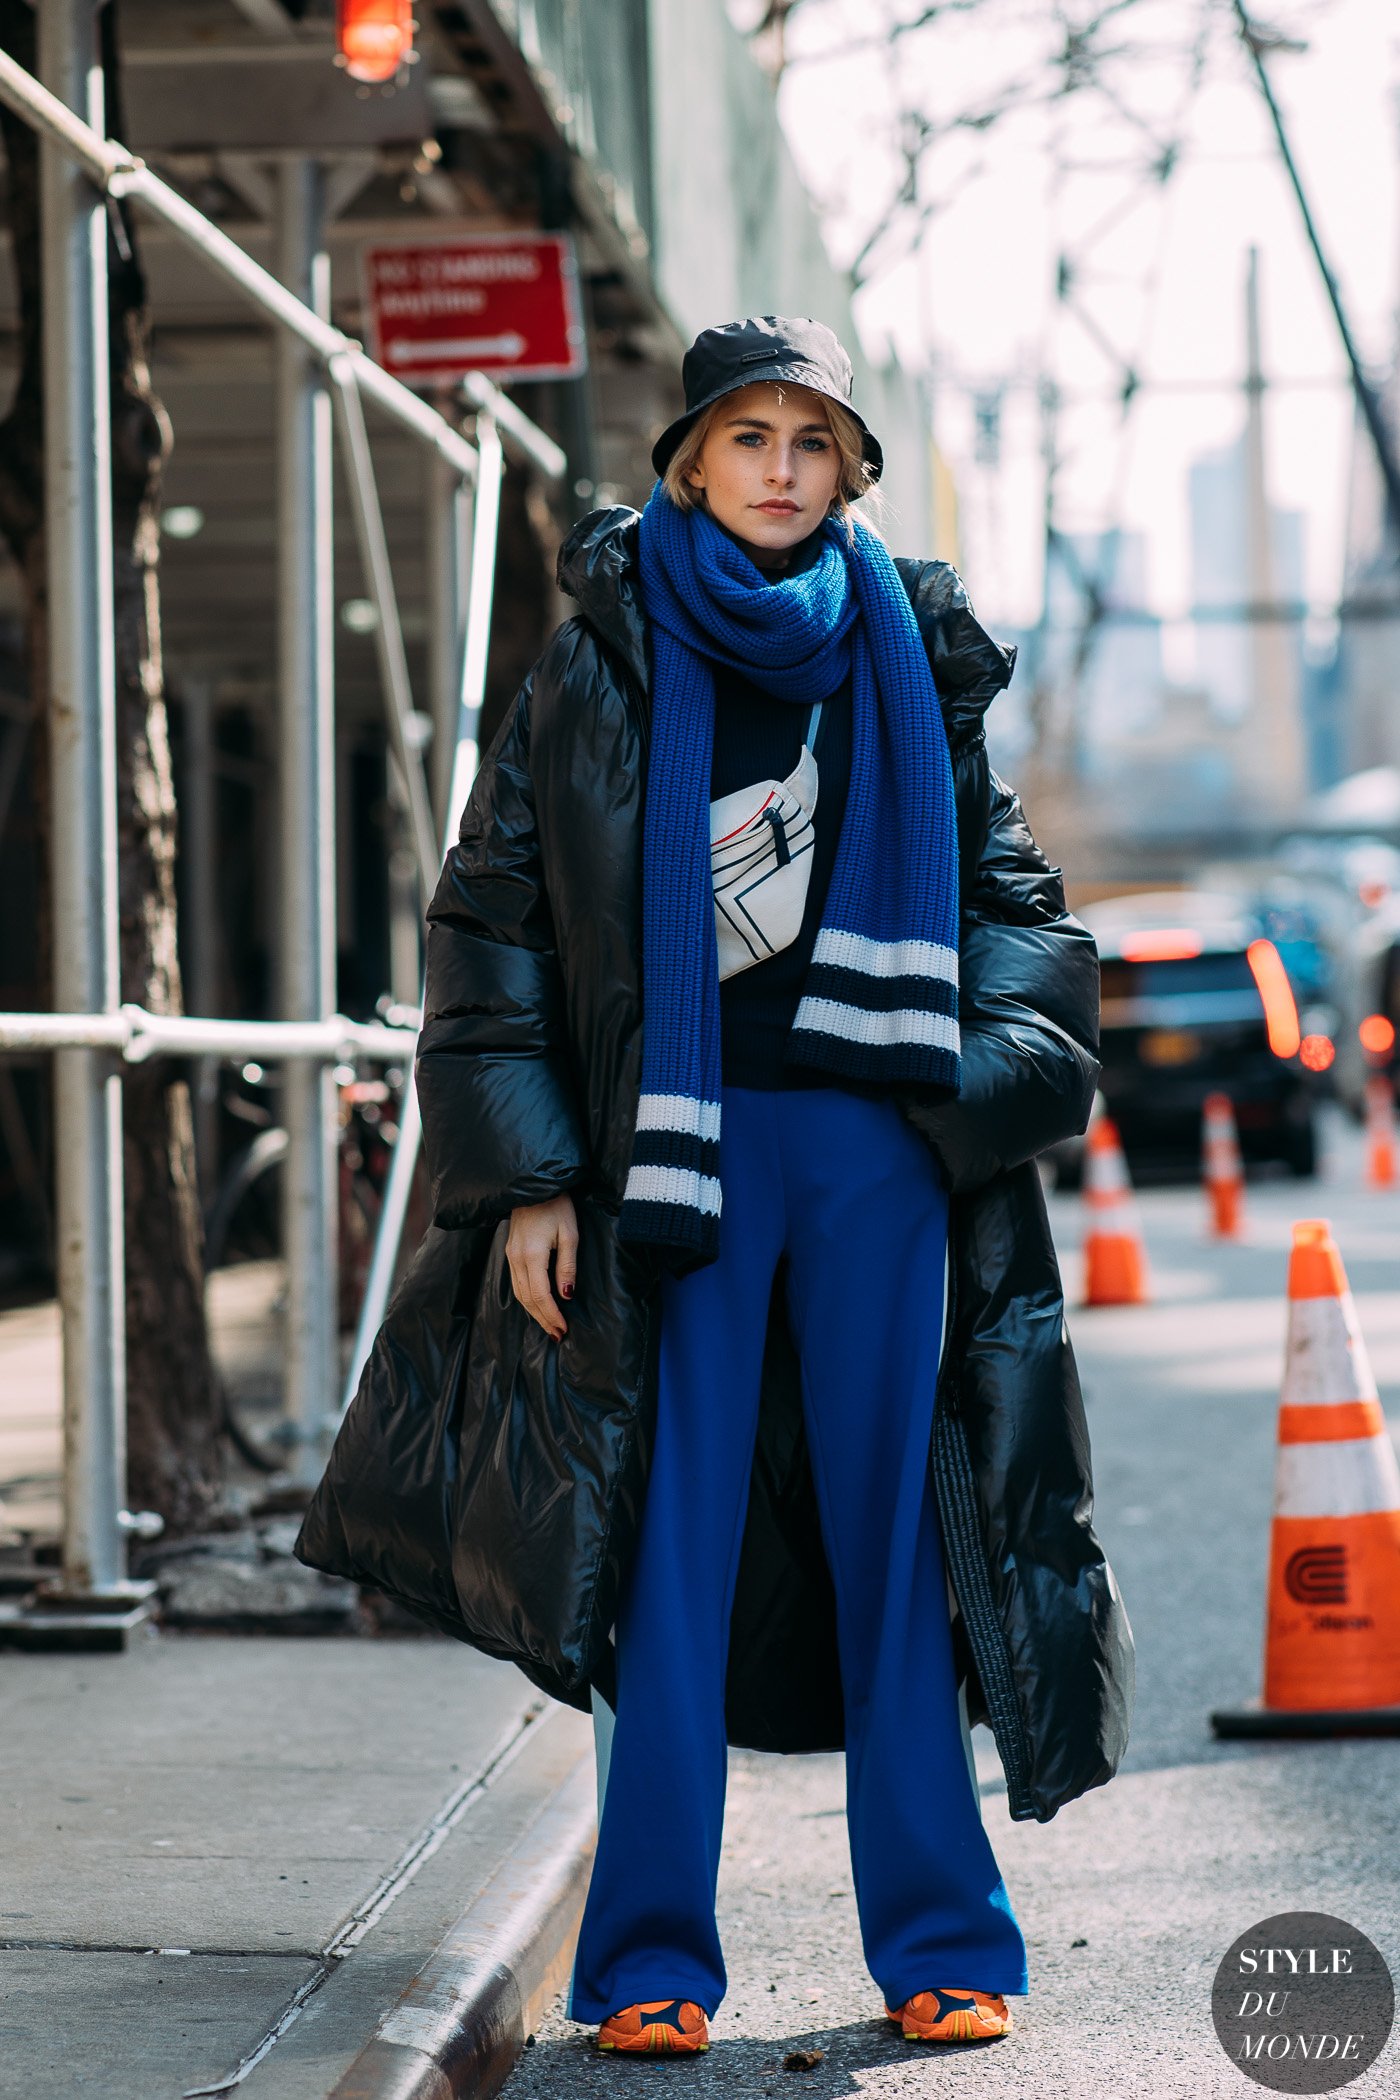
<point x="199" y="853"/>
<point x="306" y="885"/>
<point x="469" y="692"/>
<point x="83" y="818"/>
<point x="447" y="528"/>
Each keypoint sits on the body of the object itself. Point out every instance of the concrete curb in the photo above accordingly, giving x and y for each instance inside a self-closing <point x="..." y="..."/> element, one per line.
<point x="463" y="2021"/>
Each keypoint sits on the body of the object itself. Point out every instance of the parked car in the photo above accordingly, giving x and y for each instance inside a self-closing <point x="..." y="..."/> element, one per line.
<point x="1196" y="1000"/>
<point x="1368" y="1033"/>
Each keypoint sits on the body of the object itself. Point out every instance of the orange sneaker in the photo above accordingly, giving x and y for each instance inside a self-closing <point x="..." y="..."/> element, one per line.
<point x="952" y="2016"/>
<point x="661" y="2027"/>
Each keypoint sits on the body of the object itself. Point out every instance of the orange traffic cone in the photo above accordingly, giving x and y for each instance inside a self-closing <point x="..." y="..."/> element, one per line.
<point x="1115" y="1261"/>
<point x="1380" y="1133"/>
<point x="1332" y="1641"/>
<point x="1222" y="1168"/>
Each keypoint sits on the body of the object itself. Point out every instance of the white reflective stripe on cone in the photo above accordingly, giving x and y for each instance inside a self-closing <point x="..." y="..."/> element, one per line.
<point x="1107" y="1175"/>
<point x="1355" y="1478"/>
<point x="1326" y="1359"/>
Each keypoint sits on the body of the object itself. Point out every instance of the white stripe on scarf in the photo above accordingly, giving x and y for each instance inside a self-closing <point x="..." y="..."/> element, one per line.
<point x="679" y="1112"/>
<point x="908" y="1024"/>
<point x="853" y="951"/>
<point x="672" y="1185"/>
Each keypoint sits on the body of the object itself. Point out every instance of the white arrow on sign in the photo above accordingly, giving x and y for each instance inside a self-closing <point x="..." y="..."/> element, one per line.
<point x="415" y="353"/>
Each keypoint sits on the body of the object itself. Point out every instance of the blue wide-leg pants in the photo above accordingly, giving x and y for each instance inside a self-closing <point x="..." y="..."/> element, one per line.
<point x="848" y="1190"/>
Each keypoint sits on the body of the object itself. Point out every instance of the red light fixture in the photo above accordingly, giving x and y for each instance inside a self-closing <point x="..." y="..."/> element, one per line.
<point x="1280" y="1007"/>
<point x="1161" y="944"/>
<point x="1316" y="1053"/>
<point x="374" y="38"/>
<point x="1377" y="1035"/>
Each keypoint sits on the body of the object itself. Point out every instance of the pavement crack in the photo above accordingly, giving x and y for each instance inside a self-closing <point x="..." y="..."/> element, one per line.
<point x="385" y="1893"/>
<point x="11" y="1946"/>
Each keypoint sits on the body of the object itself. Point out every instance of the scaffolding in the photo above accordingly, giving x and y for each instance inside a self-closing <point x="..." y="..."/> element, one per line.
<point x="325" y="381"/>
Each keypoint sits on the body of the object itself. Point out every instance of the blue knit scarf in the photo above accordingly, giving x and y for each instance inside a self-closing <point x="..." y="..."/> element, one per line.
<point x="880" y="998"/>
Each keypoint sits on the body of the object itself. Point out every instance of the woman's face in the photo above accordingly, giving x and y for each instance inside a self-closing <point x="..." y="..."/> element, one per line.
<point x="768" y="468"/>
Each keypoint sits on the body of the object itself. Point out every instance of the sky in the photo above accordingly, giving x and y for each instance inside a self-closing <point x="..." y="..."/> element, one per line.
<point x="975" y="307"/>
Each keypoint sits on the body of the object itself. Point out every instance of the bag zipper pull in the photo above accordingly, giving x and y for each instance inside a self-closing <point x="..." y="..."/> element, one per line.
<point x="780" y="842"/>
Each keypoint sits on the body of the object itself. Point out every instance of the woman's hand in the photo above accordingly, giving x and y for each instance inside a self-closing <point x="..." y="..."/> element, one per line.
<point x="536" y="1231"/>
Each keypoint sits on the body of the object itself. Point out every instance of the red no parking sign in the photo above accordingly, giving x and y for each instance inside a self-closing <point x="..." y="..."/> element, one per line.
<point x="502" y="303"/>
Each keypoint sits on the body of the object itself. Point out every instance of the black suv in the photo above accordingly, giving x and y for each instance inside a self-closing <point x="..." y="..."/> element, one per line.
<point x="1196" y="1001"/>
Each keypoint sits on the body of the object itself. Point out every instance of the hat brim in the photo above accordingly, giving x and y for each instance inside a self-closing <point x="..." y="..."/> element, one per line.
<point x="777" y="374"/>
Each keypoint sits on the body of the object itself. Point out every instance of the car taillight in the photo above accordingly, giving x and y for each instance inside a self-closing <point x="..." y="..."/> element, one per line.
<point x="1161" y="944"/>
<point x="1316" y="1053"/>
<point x="1377" y="1035"/>
<point x="1280" y="1007"/>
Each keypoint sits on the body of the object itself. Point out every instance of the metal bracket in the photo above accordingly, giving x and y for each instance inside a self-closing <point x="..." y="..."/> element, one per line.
<point x="93" y="1622"/>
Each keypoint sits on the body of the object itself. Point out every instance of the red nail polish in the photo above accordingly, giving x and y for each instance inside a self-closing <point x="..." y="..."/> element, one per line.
<point x="566" y="1290"/>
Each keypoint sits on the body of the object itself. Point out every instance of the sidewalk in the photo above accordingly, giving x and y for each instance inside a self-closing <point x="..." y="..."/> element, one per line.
<point x="248" y="1347"/>
<point x="216" y="1845"/>
<point x="201" y="1829"/>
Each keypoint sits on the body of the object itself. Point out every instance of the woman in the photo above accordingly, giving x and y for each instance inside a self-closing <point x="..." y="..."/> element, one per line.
<point x="652" y="1413"/>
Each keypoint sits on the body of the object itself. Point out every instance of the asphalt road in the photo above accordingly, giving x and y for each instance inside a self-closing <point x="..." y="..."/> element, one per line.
<point x="1132" y="1894"/>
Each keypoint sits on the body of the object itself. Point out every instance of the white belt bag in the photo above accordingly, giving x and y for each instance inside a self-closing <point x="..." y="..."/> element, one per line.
<point x="761" y="840"/>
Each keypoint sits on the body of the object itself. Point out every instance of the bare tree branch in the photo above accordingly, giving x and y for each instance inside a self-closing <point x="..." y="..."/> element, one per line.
<point x="1090" y="50"/>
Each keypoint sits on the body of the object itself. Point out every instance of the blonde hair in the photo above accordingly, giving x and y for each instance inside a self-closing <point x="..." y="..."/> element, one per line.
<point x="853" y="482"/>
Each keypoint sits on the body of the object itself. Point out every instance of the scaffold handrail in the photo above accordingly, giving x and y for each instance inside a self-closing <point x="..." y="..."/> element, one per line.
<point x="138" y="1035"/>
<point x="121" y="174"/>
<point x="92" y="1037"/>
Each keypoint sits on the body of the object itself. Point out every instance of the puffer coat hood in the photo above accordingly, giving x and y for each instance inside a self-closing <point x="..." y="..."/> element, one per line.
<point x="493" y="1479"/>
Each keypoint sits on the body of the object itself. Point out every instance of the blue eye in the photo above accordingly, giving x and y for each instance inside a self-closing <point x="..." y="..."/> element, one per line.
<point x="750" y="438"/>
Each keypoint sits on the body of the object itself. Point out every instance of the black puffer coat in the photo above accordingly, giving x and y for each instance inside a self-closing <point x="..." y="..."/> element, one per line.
<point x="492" y="1478"/>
